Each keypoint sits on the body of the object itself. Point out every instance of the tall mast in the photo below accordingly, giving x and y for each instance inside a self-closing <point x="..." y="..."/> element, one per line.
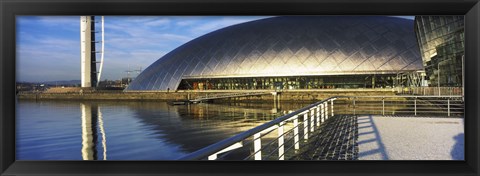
<point x="89" y="75"/>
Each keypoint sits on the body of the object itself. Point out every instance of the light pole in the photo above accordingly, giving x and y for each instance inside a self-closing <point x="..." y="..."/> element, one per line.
<point x="438" y="78"/>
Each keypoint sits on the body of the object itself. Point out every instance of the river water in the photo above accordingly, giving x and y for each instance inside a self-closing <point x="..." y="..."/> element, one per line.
<point x="110" y="130"/>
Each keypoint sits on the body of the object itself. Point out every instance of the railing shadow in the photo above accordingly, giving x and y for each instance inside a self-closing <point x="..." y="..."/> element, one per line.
<point x="335" y="139"/>
<point x="370" y="140"/>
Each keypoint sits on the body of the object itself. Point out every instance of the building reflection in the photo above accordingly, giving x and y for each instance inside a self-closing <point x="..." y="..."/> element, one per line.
<point x="92" y="121"/>
<point x="195" y="126"/>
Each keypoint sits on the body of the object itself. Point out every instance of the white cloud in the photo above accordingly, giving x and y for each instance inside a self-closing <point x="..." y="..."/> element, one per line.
<point x="218" y="24"/>
<point x="186" y="23"/>
<point x="61" y="44"/>
<point x="158" y="22"/>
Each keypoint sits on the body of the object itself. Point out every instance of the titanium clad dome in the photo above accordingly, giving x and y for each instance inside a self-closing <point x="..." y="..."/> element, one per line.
<point x="290" y="46"/>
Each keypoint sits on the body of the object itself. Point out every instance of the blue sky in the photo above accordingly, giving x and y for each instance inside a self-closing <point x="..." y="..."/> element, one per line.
<point x="48" y="47"/>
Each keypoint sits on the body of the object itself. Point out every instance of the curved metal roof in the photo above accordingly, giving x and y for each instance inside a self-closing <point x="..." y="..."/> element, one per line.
<point x="290" y="46"/>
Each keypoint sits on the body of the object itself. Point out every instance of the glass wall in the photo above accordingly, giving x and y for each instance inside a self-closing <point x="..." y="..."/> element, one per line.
<point x="441" y="40"/>
<point x="293" y="82"/>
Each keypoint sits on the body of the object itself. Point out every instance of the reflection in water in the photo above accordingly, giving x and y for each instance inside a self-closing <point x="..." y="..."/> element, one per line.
<point x="195" y="126"/>
<point x="102" y="131"/>
<point x="91" y="120"/>
<point x="53" y="130"/>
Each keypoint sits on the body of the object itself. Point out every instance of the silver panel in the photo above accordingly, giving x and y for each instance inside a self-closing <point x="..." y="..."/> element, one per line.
<point x="300" y="45"/>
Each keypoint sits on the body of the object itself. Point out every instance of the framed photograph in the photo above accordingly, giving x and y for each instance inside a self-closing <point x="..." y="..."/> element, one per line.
<point x="253" y="87"/>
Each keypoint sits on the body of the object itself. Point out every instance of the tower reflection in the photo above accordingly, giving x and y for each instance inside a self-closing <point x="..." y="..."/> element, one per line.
<point x="92" y="120"/>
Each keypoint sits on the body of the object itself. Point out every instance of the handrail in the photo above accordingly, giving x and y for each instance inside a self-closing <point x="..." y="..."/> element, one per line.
<point x="312" y="110"/>
<point x="205" y="152"/>
<point x="417" y="104"/>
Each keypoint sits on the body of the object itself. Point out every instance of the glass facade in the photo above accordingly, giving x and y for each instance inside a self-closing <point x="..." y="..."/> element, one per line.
<point x="292" y="82"/>
<point x="294" y="52"/>
<point x="442" y="46"/>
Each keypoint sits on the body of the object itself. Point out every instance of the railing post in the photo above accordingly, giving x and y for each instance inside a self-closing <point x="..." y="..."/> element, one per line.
<point x="312" y="120"/>
<point x="281" y="140"/>
<point x="295" y="133"/>
<point x="212" y="157"/>
<point x="353" y="105"/>
<point x="383" y="106"/>
<point x="448" y="101"/>
<point x="326" y="109"/>
<point x="305" y="126"/>
<point x="331" y="105"/>
<point x="257" y="146"/>
<point x="318" y="115"/>
<point x="415" y="100"/>
<point x="322" y="113"/>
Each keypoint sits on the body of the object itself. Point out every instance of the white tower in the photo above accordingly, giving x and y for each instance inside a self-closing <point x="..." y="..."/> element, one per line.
<point x="89" y="75"/>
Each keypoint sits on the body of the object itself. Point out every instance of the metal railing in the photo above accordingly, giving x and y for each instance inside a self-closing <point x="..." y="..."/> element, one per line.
<point x="294" y="130"/>
<point x="401" y="105"/>
<point x="426" y="91"/>
<point x="305" y="121"/>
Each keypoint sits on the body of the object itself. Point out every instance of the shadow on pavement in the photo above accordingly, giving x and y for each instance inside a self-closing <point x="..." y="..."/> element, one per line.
<point x="457" y="152"/>
<point x="371" y="136"/>
<point x="336" y="139"/>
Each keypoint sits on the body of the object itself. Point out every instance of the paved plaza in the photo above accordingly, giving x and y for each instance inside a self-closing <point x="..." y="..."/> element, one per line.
<point x="410" y="138"/>
<point x="376" y="137"/>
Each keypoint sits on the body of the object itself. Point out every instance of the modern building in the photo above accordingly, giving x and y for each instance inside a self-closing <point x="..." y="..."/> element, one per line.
<point x="293" y="52"/>
<point x="442" y="45"/>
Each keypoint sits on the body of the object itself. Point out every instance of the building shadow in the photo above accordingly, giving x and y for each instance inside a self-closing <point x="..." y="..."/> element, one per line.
<point x="457" y="152"/>
<point x="458" y="149"/>
<point x="369" y="131"/>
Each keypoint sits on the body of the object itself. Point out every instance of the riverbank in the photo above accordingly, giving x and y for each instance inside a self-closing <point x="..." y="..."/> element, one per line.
<point x="285" y="95"/>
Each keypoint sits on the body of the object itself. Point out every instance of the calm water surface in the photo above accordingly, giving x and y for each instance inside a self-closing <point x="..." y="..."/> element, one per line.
<point x="75" y="130"/>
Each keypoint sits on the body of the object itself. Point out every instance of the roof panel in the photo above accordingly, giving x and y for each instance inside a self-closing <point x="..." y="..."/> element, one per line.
<point x="294" y="45"/>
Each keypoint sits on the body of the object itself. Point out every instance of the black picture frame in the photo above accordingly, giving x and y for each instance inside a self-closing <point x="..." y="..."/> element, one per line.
<point x="11" y="8"/>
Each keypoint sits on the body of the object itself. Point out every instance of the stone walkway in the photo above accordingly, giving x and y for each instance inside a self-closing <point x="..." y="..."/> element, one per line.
<point x="335" y="140"/>
<point x="387" y="138"/>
